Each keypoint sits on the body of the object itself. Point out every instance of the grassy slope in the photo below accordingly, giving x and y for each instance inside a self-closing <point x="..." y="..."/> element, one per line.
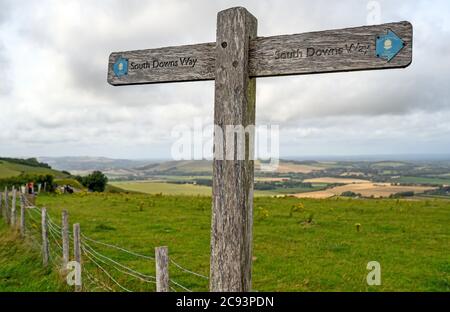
<point x="410" y="239"/>
<point x="190" y="189"/>
<point x="424" y="180"/>
<point x="165" y="188"/>
<point x="8" y="169"/>
<point x="21" y="266"/>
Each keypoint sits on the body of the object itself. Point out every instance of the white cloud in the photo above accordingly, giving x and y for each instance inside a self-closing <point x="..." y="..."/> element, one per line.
<point x="54" y="97"/>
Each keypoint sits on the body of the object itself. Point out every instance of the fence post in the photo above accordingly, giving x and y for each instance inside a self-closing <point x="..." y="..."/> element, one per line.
<point x="77" y="251"/>
<point x="2" y="213"/>
<point x="7" y="205"/>
<point x="22" y="215"/>
<point x="13" y="208"/>
<point x="162" y="269"/>
<point x="65" y="238"/>
<point x="45" y="245"/>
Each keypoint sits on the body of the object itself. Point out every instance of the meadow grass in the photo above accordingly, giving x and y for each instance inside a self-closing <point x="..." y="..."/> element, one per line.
<point x="21" y="265"/>
<point x="299" y="244"/>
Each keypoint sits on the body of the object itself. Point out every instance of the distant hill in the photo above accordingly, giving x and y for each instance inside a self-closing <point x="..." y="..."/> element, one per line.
<point x="87" y="164"/>
<point x="11" y="167"/>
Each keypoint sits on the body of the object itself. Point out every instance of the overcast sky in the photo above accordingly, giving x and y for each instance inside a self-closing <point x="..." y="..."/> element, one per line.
<point x="55" y="101"/>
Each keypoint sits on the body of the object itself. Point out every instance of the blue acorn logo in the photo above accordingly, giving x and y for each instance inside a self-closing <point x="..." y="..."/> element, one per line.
<point x="121" y="67"/>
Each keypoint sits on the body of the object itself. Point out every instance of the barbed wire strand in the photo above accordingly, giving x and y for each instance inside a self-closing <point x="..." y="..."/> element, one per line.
<point x="140" y="275"/>
<point x="102" y="285"/>
<point x="118" y="248"/>
<point x="121" y="271"/>
<point x="186" y="270"/>
<point x="106" y="272"/>
<point x="181" y="286"/>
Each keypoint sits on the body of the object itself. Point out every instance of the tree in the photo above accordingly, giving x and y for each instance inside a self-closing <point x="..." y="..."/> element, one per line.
<point x="95" y="182"/>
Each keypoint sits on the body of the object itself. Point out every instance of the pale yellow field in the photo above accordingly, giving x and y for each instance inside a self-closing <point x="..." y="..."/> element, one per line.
<point x="270" y="179"/>
<point x="297" y="168"/>
<point x="365" y="189"/>
<point x="336" y="180"/>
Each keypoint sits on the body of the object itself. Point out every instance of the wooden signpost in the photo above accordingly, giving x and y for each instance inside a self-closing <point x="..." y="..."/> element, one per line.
<point x="234" y="61"/>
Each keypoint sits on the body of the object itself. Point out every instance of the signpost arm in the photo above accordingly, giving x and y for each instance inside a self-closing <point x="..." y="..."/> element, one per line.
<point x="232" y="202"/>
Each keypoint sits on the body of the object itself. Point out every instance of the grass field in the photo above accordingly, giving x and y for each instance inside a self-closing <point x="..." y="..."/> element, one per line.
<point x="424" y="180"/>
<point x="21" y="266"/>
<point x="163" y="188"/>
<point x="376" y="190"/>
<point x="160" y="187"/>
<point x="299" y="245"/>
<point x="8" y="169"/>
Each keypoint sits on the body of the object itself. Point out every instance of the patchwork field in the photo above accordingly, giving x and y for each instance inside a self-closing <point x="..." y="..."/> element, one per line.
<point x="366" y="189"/>
<point x="163" y="188"/>
<point x="336" y="180"/>
<point x="286" y="167"/>
<point x="299" y="244"/>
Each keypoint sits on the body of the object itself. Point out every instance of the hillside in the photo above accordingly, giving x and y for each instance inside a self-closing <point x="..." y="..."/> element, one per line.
<point x="20" y="265"/>
<point x="299" y="245"/>
<point x="10" y="167"/>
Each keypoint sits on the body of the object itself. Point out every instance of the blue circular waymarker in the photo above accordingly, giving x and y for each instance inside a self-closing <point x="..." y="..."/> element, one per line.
<point x="121" y="67"/>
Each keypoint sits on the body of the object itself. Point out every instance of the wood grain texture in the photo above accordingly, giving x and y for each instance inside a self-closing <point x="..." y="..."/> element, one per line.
<point x="263" y="52"/>
<point x="13" y="208"/>
<point x="7" y="212"/>
<point x="65" y="238"/>
<point x="2" y="212"/>
<point x="22" y="215"/>
<point x="162" y="269"/>
<point x="77" y="251"/>
<point x="232" y="198"/>
<point x="45" y="243"/>
<point x="202" y="70"/>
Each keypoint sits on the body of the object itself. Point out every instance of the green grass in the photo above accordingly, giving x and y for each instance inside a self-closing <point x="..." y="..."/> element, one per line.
<point x="150" y="187"/>
<point x="423" y="180"/>
<point x="164" y="188"/>
<point x="21" y="266"/>
<point x="410" y="239"/>
<point x="8" y="169"/>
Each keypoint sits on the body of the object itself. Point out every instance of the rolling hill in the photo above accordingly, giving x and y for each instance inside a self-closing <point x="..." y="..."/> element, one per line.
<point x="10" y="167"/>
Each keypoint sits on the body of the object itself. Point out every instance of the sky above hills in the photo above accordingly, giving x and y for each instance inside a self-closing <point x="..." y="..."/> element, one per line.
<point x="54" y="98"/>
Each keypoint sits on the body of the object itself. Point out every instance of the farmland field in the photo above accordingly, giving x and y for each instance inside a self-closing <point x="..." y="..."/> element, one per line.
<point x="157" y="187"/>
<point x="336" y="180"/>
<point x="365" y="189"/>
<point x="299" y="245"/>
<point x="164" y="188"/>
<point x="424" y="180"/>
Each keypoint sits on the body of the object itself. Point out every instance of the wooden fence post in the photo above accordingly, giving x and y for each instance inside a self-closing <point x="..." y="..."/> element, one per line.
<point x="13" y="208"/>
<point x="22" y="215"/>
<point x="7" y="212"/>
<point x="2" y="213"/>
<point x="233" y="165"/>
<point x="65" y="238"/>
<point x="77" y="251"/>
<point x="45" y="243"/>
<point x="162" y="269"/>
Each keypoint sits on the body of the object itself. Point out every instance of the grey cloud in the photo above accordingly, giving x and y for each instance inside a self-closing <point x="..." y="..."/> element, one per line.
<point x="88" y="112"/>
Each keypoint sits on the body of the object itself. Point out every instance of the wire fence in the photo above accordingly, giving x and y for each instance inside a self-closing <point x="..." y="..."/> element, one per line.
<point x="100" y="271"/>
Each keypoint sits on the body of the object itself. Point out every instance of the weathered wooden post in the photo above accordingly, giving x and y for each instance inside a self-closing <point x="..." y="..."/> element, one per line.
<point x="232" y="195"/>
<point x="65" y="238"/>
<point x="234" y="61"/>
<point x="7" y="212"/>
<point x="77" y="251"/>
<point x="22" y="215"/>
<point x="45" y="243"/>
<point x="162" y="269"/>
<point x="2" y="213"/>
<point x="13" y="208"/>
